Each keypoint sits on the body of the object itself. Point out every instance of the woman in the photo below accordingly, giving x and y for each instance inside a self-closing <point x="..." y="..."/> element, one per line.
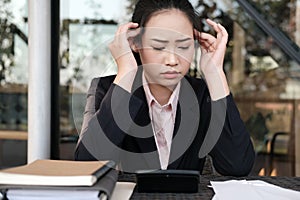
<point x="150" y="115"/>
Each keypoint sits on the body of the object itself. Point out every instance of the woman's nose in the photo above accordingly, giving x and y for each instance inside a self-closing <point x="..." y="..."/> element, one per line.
<point x="171" y="58"/>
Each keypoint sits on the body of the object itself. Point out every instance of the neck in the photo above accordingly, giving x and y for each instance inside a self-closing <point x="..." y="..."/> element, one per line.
<point x="161" y="93"/>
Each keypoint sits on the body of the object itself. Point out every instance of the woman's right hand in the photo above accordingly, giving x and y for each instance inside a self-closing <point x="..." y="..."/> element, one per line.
<point x="122" y="53"/>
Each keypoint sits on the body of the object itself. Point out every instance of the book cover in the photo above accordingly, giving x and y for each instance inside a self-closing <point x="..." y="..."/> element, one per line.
<point x="102" y="189"/>
<point x="56" y="173"/>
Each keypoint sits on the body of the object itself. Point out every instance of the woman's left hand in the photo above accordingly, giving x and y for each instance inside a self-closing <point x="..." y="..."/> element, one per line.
<point x="212" y="59"/>
<point x="212" y="48"/>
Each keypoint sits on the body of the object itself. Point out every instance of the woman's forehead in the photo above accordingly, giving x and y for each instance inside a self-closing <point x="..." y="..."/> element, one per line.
<point x="166" y="34"/>
<point x="169" y="25"/>
<point x="172" y="21"/>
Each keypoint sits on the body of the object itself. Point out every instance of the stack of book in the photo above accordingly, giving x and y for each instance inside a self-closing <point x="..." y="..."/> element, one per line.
<point x="59" y="179"/>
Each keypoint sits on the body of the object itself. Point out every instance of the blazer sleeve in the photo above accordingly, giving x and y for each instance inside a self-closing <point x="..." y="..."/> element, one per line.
<point x="233" y="154"/>
<point x="81" y="153"/>
<point x="104" y="128"/>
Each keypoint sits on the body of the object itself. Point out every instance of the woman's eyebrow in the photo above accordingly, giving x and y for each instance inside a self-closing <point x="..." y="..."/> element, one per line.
<point x="166" y="41"/>
<point x="183" y="40"/>
<point x="159" y="40"/>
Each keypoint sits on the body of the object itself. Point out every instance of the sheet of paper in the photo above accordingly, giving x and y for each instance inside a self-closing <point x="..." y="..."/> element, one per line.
<point x="123" y="191"/>
<point x="249" y="190"/>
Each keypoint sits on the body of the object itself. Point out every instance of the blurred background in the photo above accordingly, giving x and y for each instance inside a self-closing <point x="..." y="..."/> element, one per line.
<point x="262" y="64"/>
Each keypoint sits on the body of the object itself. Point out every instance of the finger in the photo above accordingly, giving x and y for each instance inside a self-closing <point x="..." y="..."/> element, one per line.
<point x="133" y="32"/>
<point x="211" y="22"/>
<point x="208" y="47"/>
<point x="123" y="29"/>
<point x="222" y="35"/>
<point x="207" y="37"/>
<point x="120" y="45"/>
<point x="208" y="41"/>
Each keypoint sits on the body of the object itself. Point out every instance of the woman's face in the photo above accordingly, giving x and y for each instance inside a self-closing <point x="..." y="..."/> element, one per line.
<point x="167" y="47"/>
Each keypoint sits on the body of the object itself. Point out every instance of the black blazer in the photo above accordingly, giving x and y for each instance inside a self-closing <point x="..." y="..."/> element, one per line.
<point x="117" y="127"/>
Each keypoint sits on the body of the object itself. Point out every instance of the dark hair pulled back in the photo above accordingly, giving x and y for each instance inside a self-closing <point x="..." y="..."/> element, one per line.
<point x="144" y="9"/>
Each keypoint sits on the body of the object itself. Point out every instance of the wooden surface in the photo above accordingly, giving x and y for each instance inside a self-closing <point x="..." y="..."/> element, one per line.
<point x="13" y="135"/>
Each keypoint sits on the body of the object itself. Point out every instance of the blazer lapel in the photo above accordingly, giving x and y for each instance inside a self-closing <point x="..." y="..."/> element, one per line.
<point x="142" y="124"/>
<point x="185" y="128"/>
<point x="186" y="124"/>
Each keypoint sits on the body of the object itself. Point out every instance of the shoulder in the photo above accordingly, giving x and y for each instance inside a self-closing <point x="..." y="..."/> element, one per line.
<point x="194" y="79"/>
<point x="100" y="85"/>
<point x="105" y="80"/>
<point x="101" y="82"/>
<point x="198" y="84"/>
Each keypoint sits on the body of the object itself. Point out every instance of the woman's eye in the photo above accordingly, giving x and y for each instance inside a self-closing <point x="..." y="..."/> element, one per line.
<point x="184" y="48"/>
<point x="158" y="48"/>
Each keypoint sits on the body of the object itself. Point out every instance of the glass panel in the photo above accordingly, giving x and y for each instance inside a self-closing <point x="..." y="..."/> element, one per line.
<point x="263" y="77"/>
<point x="87" y="26"/>
<point x="267" y="119"/>
<point x="88" y="57"/>
<point x="13" y="81"/>
<point x="280" y="14"/>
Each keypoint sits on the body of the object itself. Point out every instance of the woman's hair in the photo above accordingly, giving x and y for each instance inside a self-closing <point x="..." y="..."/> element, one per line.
<point x="144" y="9"/>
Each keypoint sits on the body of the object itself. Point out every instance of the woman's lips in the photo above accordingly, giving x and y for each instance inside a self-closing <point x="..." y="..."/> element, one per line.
<point x="171" y="74"/>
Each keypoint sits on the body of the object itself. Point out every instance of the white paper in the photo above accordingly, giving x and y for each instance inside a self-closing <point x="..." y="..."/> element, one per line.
<point x="249" y="190"/>
<point x="123" y="191"/>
